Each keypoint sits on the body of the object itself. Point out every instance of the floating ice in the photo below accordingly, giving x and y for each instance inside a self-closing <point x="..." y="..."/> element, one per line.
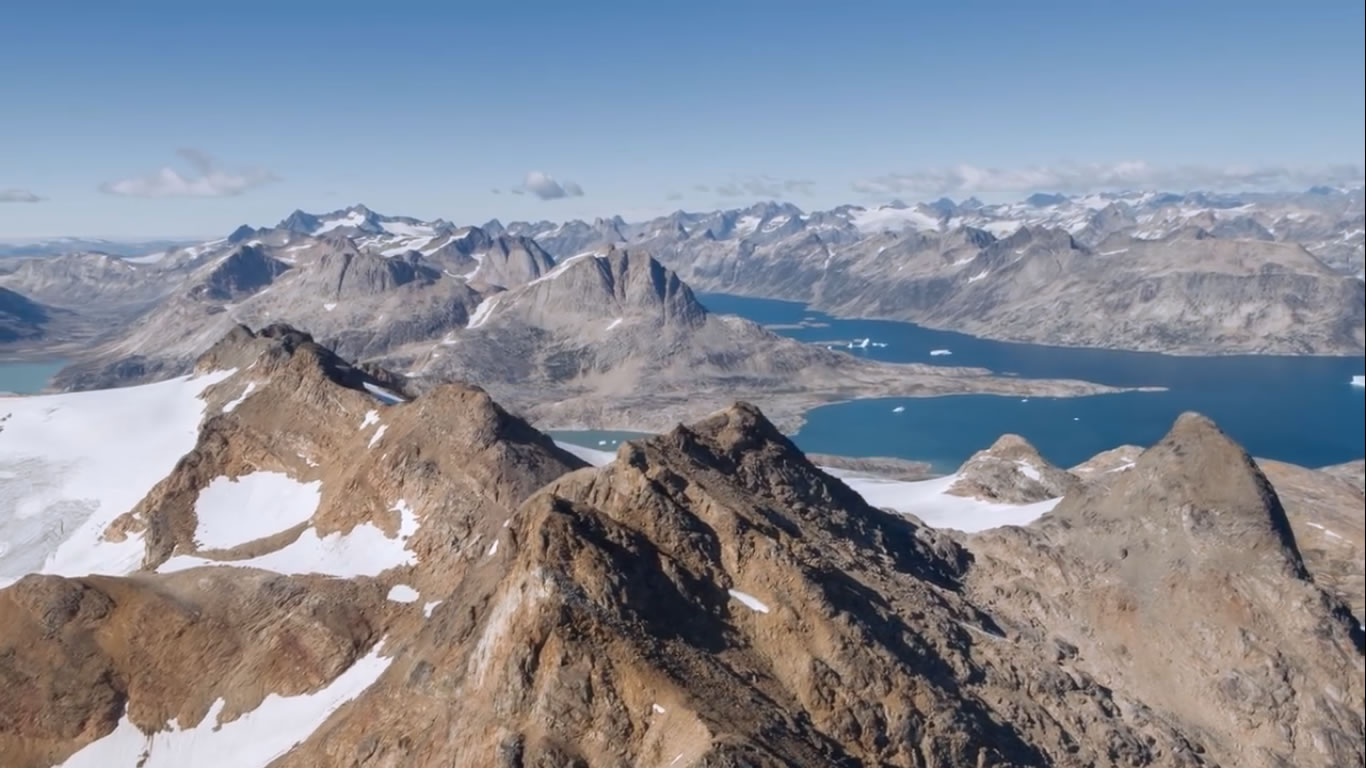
<point x="940" y="352"/>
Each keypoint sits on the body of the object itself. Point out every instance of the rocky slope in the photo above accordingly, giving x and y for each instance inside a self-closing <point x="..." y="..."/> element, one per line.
<point x="614" y="339"/>
<point x="1193" y="274"/>
<point x="1185" y="294"/>
<point x="1186" y="564"/>
<point x="603" y="338"/>
<point x="20" y="317"/>
<point x="341" y="571"/>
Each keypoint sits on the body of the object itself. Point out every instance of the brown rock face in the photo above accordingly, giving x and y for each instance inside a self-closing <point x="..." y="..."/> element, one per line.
<point x="76" y="654"/>
<point x="1186" y="567"/>
<point x="708" y="599"/>
<point x="711" y="598"/>
<point x="1012" y="471"/>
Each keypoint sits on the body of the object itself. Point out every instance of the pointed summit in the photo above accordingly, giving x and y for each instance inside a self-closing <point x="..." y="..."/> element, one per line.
<point x="242" y="234"/>
<point x="300" y="222"/>
<point x="1196" y="490"/>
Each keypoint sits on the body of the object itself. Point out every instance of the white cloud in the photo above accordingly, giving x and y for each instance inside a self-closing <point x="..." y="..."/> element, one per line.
<point x="763" y="186"/>
<point x="972" y="180"/>
<point x="18" y="196"/>
<point x="206" y="180"/>
<point x="544" y="186"/>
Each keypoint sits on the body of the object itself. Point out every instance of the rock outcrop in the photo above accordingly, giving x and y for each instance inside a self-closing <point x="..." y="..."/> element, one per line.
<point x="1012" y="471"/>
<point x="20" y="318"/>
<point x="343" y="570"/>
<point x="1186" y="564"/>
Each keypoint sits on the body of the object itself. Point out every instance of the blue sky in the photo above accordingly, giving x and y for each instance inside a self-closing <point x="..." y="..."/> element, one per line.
<point x="426" y="109"/>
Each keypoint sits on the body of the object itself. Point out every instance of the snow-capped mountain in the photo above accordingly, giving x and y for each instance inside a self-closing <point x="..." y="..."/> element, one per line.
<point x="979" y="268"/>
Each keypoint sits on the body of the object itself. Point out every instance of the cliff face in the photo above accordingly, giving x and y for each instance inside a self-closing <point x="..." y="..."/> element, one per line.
<point x="339" y="570"/>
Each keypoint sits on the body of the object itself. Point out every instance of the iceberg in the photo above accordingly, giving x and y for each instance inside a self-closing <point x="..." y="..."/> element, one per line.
<point x="1359" y="381"/>
<point x="940" y="352"/>
<point x="859" y="344"/>
<point x="899" y="409"/>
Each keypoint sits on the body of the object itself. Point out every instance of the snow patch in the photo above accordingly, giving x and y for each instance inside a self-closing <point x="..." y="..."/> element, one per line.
<point x="233" y="512"/>
<point x="228" y="407"/>
<point x="483" y="311"/>
<point x="594" y="458"/>
<point x="928" y="500"/>
<point x="1028" y="470"/>
<point x="352" y="219"/>
<point x="402" y="593"/>
<point x="978" y="276"/>
<point x="69" y="466"/>
<point x="329" y="306"/>
<point x="493" y="548"/>
<point x="371" y="417"/>
<point x="378" y="434"/>
<point x="406" y="229"/>
<point x="1325" y="530"/>
<point x="885" y="219"/>
<point x="750" y="601"/>
<point x="362" y="551"/>
<point x="253" y="740"/>
<point x="427" y="608"/>
<point x="153" y="258"/>
<point x="562" y="267"/>
<point x="614" y="323"/>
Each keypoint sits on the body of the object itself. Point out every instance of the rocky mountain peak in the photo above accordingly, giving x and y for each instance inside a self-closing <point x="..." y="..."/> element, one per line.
<point x="509" y="261"/>
<point x="970" y="236"/>
<point x="1189" y="563"/>
<point x="242" y="234"/>
<point x="244" y="271"/>
<point x="1199" y="489"/>
<point x="1011" y="471"/>
<point x="1044" y="199"/>
<point x="299" y="221"/>
<point x="617" y="282"/>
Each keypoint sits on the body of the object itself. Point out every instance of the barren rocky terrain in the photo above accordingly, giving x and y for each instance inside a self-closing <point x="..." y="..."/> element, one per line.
<point x="337" y="569"/>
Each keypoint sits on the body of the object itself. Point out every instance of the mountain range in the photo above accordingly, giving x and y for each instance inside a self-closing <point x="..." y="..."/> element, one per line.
<point x="286" y="558"/>
<point x="1195" y="273"/>
<point x="606" y="337"/>
<point x="1182" y="274"/>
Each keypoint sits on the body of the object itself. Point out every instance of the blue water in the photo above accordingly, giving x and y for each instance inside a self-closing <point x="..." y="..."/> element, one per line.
<point x="1302" y="410"/>
<point x="27" y="378"/>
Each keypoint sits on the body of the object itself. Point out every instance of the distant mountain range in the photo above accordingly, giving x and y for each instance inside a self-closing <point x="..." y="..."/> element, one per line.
<point x="608" y="337"/>
<point x="1196" y="273"/>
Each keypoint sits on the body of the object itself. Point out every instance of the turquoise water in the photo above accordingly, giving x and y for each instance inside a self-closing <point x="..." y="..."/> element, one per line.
<point x="27" y="378"/>
<point x="598" y="439"/>
<point x="1302" y="410"/>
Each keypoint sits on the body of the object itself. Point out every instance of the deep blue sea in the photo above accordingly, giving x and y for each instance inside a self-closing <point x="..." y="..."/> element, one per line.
<point x="1302" y="410"/>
